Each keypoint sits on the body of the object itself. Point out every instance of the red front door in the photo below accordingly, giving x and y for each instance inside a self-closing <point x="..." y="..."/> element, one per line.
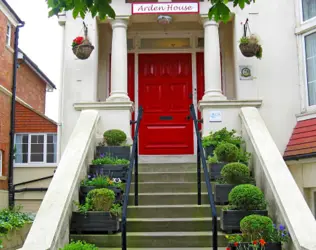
<point x="165" y="92"/>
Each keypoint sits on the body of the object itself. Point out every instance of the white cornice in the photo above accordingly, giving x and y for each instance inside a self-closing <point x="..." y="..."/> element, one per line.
<point x="104" y="106"/>
<point x="8" y="14"/>
<point x="230" y="103"/>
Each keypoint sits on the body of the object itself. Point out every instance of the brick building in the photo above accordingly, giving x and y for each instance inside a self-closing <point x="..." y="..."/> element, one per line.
<point x="35" y="134"/>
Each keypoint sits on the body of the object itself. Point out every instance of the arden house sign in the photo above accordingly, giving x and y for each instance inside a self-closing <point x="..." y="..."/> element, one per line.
<point x="175" y="8"/>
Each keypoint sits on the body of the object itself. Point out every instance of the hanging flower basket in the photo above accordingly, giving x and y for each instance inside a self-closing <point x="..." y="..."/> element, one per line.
<point x="82" y="48"/>
<point x="249" y="45"/>
<point x="249" y="49"/>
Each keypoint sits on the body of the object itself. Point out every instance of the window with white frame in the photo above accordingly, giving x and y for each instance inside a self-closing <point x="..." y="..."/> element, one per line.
<point x="35" y="148"/>
<point x="8" y="35"/>
<point x="308" y="16"/>
<point x="1" y="162"/>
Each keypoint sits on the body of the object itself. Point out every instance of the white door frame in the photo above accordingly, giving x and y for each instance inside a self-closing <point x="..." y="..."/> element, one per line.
<point x="193" y="35"/>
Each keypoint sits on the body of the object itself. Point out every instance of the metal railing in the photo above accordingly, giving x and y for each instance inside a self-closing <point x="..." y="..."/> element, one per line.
<point x="201" y="159"/>
<point x="133" y="162"/>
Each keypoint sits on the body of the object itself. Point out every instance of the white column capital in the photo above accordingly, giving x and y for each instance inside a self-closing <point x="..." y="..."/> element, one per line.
<point x="119" y="23"/>
<point x="207" y="22"/>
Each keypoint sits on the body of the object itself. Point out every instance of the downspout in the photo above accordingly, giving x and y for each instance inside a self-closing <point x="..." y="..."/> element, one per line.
<point x="12" y="116"/>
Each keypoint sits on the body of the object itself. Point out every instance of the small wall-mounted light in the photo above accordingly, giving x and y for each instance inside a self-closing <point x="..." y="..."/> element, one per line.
<point x="164" y="20"/>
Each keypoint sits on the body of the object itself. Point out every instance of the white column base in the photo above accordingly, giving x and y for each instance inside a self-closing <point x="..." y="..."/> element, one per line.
<point x="118" y="97"/>
<point x="214" y="95"/>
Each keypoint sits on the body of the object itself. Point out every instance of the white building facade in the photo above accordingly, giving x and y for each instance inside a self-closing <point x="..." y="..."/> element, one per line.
<point x="192" y="60"/>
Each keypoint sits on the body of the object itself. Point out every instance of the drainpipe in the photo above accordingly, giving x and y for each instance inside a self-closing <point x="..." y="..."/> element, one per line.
<point x="12" y="118"/>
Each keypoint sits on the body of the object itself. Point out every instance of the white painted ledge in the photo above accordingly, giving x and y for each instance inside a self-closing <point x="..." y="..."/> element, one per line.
<point x="285" y="200"/>
<point x="50" y="229"/>
<point x="230" y="103"/>
<point x="104" y="106"/>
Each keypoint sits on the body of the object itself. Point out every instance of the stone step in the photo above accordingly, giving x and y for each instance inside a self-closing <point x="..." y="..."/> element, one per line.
<point x="167" y="187"/>
<point x="167" y="198"/>
<point x="170" y="224"/>
<point x="171" y="211"/>
<point x="163" y="167"/>
<point x="172" y="248"/>
<point x="168" y="177"/>
<point x="153" y="239"/>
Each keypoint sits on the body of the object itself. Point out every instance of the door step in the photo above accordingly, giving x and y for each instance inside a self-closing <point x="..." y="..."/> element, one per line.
<point x="189" y="176"/>
<point x="154" y="239"/>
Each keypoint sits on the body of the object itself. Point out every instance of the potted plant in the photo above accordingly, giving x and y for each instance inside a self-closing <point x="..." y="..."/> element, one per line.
<point x="224" y="153"/>
<point x="258" y="233"/>
<point x="79" y="245"/>
<point x="100" y="181"/>
<point x="109" y="166"/>
<point x="114" y="144"/>
<point x="211" y="141"/>
<point x="97" y="214"/>
<point x="249" y="46"/>
<point x="244" y="200"/>
<point x="232" y="174"/>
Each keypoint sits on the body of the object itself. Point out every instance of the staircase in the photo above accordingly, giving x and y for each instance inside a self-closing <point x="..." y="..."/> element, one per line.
<point x="167" y="216"/>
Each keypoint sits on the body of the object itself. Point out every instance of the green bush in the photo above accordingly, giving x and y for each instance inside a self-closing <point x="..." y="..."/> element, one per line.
<point x="114" y="137"/>
<point x="100" y="199"/>
<point x="109" y="160"/>
<point x="79" y="245"/>
<point x="235" y="173"/>
<point x="227" y="152"/>
<point x="255" y="227"/>
<point x="247" y="197"/>
<point x="223" y="135"/>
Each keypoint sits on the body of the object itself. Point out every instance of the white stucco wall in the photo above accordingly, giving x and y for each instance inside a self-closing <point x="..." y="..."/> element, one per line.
<point x="275" y="81"/>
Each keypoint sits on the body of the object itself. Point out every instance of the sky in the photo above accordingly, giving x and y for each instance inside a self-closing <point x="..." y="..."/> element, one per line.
<point x="41" y="40"/>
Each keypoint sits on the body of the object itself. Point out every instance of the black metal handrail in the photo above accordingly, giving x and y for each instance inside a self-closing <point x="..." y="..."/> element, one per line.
<point x="201" y="159"/>
<point x="133" y="162"/>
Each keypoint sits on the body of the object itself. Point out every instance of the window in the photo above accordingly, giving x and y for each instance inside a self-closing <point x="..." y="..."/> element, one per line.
<point x="8" y="35"/>
<point x="35" y="148"/>
<point x="309" y="9"/>
<point x="165" y="43"/>
<point x="1" y="162"/>
<point x="310" y="55"/>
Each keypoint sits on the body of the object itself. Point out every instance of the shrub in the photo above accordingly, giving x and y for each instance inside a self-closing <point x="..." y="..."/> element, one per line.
<point x="100" y="199"/>
<point x="114" y="137"/>
<point x="100" y="181"/>
<point x="227" y="152"/>
<point x="79" y="245"/>
<point x="246" y="197"/>
<point x="256" y="227"/>
<point x="235" y="173"/>
<point x="223" y="135"/>
<point x="103" y="160"/>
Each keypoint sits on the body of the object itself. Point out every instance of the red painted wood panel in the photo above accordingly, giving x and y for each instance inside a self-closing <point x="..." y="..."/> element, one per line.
<point x="165" y="92"/>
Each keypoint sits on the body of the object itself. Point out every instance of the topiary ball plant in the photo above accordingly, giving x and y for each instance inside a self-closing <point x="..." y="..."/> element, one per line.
<point x="114" y="137"/>
<point x="100" y="199"/>
<point x="227" y="152"/>
<point x="247" y="197"/>
<point x="235" y="173"/>
<point x="255" y="227"/>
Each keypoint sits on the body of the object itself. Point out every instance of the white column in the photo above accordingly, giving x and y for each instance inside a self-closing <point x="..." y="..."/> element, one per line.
<point x="212" y="62"/>
<point x="119" y="61"/>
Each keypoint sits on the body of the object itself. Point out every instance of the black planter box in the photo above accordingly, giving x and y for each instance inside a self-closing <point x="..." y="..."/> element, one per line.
<point x="94" y="222"/>
<point x="268" y="246"/>
<point x="122" y="152"/>
<point x="113" y="171"/>
<point x="215" y="170"/>
<point x="230" y="219"/>
<point x="84" y="190"/>
<point x="221" y="193"/>
<point x="209" y="151"/>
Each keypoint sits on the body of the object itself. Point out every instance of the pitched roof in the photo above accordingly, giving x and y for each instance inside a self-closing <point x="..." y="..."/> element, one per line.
<point x="302" y="143"/>
<point x="37" y="70"/>
<point x="18" y="19"/>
